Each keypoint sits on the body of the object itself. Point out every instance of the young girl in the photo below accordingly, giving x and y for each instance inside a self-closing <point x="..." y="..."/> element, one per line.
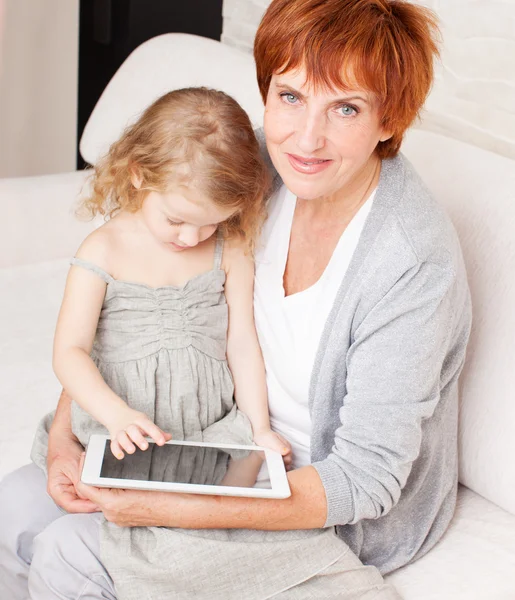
<point x="157" y="313"/>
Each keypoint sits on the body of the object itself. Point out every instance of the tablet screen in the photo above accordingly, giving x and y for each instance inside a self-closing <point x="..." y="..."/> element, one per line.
<point x="189" y="464"/>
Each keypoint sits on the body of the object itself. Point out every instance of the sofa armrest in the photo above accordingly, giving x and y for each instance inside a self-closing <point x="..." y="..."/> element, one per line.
<point x="39" y="221"/>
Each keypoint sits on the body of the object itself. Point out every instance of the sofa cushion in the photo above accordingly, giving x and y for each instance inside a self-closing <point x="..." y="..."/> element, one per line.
<point x="30" y="301"/>
<point x="475" y="559"/>
<point x="478" y="190"/>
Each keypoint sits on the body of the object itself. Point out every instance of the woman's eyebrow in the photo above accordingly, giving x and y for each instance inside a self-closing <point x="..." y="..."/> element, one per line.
<point x="351" y="99"/>
<point x="288" y="88"/>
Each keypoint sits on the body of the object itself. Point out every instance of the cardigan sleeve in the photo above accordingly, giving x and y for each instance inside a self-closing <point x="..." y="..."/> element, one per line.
<point x="394" y="378"/>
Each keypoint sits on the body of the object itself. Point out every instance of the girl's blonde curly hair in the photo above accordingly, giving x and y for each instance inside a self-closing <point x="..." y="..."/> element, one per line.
<point x="195" y="137"/>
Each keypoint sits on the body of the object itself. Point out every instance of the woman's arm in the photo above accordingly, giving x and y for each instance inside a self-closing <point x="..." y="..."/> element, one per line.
<point x="63" y="462"/>
<point x="406" y="354"/>
<point x="305" y="509"/>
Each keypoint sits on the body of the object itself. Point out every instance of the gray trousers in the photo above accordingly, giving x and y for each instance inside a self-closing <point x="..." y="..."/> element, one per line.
<point x="47" y="554"/>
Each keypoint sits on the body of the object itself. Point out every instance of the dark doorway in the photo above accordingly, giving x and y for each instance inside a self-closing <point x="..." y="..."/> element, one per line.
<point x="110" y="30"/>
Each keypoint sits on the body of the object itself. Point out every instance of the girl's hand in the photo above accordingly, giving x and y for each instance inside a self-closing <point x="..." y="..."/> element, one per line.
<point x="270" y="439"/>
<point x="129" y="430"/>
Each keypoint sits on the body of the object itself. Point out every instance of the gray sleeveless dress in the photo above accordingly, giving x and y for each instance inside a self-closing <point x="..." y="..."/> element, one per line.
<point x="163" y="350"/>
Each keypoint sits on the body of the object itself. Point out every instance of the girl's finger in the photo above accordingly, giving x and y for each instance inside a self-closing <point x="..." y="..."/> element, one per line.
<point x="125" y="442"/>
<point x="134" y="433"/>
<point x="286" y="445"/>
<point x="116" y="450"/>
<point x="153" y="431"/>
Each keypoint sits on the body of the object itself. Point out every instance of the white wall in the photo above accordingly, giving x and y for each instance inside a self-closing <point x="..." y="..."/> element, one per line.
<point x="38" y="87"/>
<point x="474" y="93"/>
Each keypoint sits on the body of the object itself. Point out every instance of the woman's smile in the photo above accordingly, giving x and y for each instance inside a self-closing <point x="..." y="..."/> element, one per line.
<point x="309" y="166"/>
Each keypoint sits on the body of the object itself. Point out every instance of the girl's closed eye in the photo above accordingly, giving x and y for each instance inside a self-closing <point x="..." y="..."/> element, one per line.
<point x="174" y="223"/>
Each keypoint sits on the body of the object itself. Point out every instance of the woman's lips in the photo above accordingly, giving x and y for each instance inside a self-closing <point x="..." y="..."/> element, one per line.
<point x="309" y="166"/>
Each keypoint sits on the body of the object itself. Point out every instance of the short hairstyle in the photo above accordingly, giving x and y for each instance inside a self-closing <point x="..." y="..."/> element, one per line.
<point x="386" y="47"/>
<point x="193" y="137"/>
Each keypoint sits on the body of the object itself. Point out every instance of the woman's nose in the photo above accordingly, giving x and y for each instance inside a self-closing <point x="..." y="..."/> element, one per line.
<point x="311" y="133"/>
<point x="189" y="236"/>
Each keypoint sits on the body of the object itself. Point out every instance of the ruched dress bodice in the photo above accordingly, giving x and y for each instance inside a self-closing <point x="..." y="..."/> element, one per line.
<point x="137" y="321"/>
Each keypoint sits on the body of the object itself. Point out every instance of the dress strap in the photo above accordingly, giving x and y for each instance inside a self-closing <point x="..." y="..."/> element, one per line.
<point x="219" y="250"/>
<point x="78" y="262"/>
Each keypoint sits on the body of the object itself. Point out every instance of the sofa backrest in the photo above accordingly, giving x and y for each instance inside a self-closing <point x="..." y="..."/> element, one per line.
<point x="478" y="190"/>
<point x="476" y="187"/>
<point x="168" y="62"/>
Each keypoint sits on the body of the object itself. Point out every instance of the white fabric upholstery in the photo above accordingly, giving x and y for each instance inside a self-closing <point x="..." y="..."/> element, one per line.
<point x="167" y="62"/>
<point x="475" y="560"/>
<point x="478" y="190"/>
<point x="39" y="222"/>
<point x="29" y="303"/>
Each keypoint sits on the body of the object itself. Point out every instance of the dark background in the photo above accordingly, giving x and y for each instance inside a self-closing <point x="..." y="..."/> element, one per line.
<point x="109" y="30"/>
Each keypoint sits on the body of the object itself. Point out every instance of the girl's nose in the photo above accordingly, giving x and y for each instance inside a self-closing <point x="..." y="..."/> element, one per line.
<point x="189" y="235"/>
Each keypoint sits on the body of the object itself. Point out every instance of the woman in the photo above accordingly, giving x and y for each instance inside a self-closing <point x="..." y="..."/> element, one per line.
<point x="363" y="314"/>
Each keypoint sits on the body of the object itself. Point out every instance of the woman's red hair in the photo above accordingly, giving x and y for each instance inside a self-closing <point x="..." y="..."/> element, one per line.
<point x="384" y="46"/>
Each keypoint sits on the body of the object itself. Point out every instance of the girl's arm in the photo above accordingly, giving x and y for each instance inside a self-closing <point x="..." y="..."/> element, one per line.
<point x="78" y="374"/>
<point x="243" y="351"/>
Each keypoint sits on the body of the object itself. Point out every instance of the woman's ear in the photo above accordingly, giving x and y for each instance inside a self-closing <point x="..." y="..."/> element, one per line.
<point x="385" y="136"/>
<point x="136" y="178"/>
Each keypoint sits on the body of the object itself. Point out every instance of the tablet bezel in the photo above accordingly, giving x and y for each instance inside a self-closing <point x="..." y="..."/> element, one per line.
<point x="278" y="479"/>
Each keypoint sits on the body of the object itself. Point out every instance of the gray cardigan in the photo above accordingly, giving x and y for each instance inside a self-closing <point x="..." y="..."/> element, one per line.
<point x="384" y="387"/>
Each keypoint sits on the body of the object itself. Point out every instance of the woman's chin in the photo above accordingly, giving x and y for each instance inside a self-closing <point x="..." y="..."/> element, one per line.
<point x="306" y="190"/>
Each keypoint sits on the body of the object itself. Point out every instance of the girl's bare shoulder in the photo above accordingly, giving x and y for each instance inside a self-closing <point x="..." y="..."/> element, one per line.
<point x="101" y="245"/>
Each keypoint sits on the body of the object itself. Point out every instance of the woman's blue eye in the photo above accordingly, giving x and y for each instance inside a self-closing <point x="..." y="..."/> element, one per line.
<point x="347" y="110"/>
<point x="290" y="98"/>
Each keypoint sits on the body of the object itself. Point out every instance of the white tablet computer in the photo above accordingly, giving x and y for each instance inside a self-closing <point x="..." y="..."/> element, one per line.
<point x="188" y="467"/>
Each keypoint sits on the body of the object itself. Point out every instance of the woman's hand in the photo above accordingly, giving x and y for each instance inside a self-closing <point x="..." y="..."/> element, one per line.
<point x="270" y="439"/>
<point x="135" y="508"/>
<point x="128" y="429"/>
<point x="63" y="465"/>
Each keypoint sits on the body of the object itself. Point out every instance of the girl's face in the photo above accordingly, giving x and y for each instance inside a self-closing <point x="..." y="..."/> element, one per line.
<point x="181" y="218"/>
<point x="320" y="141"/>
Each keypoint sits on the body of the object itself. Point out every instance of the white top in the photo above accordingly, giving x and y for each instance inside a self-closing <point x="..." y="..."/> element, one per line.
<point x="290" y="327"/>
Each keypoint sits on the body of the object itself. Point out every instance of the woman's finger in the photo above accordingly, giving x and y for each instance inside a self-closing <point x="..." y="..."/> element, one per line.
<point x="93" y="494"/>
<point x="134" y="433"/>
<point x="123" y="439"/>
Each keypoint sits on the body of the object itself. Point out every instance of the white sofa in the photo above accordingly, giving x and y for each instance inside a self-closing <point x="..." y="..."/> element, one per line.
<point x="38" y="233"/>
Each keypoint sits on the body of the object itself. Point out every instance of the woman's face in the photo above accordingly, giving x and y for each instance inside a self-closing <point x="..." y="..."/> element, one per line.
<point x="321" y="142"/>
